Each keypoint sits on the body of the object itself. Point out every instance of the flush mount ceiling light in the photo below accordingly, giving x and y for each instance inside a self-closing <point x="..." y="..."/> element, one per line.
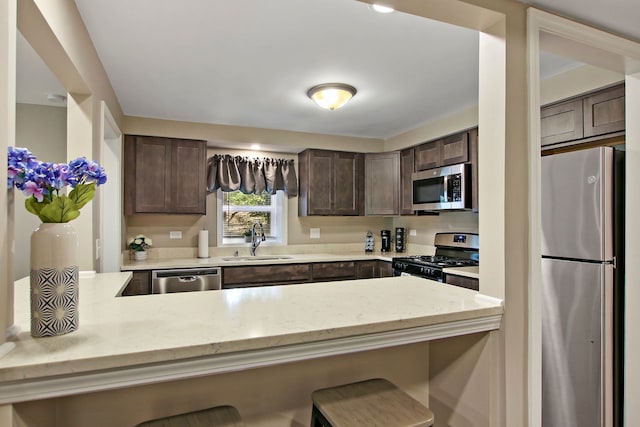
<point x="382" y="9"/>
<point x="331" y="96"/>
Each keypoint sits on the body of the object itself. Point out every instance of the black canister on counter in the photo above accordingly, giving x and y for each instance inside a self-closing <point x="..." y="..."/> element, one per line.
<point x="400" y="239"/>
<point x="386" y="240"/>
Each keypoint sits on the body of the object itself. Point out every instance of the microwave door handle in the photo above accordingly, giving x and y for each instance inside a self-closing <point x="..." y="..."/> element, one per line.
<point x="446" y="189"/>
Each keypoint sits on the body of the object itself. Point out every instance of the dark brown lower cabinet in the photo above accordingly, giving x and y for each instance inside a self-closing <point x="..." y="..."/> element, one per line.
<point x="279" y="274"/>
<point x="140" y="284"/>
<point x="462" y="281"/>
<point x="263" y="275"/>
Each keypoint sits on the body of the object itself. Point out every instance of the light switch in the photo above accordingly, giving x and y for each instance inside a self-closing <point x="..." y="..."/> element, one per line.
<point x="314" y="233"/>
<point x="413" y="232"/>
<point x="175" y="234"/>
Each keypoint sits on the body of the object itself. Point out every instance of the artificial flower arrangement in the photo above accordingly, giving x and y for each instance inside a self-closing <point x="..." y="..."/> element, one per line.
<point x="140" y="243"/>
<point x="42" y="183"/>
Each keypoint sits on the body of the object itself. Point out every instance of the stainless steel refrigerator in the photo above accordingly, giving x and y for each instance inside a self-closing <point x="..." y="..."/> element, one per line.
<point x="582" y="287"/>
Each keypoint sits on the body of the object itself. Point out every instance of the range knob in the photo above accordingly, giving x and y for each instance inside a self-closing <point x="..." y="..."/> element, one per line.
<point x="401" y="266"/>
<point x="425" y="270"/>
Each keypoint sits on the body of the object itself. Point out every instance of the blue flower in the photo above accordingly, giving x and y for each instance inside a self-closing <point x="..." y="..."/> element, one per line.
<point x="41" y="182"/>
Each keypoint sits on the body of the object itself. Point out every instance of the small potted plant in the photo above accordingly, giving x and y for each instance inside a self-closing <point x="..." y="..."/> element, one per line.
<point x="247" y="235"/>
<point x="139" y="246"/>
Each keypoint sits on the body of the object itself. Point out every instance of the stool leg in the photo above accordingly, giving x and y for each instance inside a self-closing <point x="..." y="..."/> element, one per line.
<point x="317" y="419"/>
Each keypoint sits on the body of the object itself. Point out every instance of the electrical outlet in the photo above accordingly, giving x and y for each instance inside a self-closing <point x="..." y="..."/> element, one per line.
<point x="314" y="233"/>
<point x="98" y="248"/>
<point x="413" y="233"/>
<point x="175" y="234"/>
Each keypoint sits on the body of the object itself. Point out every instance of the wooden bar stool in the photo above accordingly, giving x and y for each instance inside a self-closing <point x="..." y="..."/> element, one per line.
<point x="370" y="403"/>
<point x="220" y="416"/>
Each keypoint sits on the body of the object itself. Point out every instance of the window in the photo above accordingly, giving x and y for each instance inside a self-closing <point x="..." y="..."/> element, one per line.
<point x="237" y="213"/>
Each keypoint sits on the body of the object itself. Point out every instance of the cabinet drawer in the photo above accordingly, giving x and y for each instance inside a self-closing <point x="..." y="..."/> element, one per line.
<point x="462" y="281"/>
<point x="266" y="274"/>
<point x="333" y="270"/>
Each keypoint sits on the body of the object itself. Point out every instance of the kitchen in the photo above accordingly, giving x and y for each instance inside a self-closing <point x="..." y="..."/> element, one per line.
<point x="489" y="207"/>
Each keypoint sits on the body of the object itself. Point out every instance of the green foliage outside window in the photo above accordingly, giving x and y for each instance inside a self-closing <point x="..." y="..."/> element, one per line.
<point x="243" y="210"/>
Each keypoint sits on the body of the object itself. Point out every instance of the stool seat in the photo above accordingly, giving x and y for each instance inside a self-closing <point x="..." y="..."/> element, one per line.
<point x="371" y="403"/>
<point x="220" y="416"/>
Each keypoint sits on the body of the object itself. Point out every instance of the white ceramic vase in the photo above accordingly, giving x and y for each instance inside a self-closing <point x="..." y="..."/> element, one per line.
<point x="54" y="280"/>
<point x="139" y="255"/>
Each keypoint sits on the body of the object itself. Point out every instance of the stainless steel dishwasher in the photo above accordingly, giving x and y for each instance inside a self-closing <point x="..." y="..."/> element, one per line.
<point x="185" y="280"/>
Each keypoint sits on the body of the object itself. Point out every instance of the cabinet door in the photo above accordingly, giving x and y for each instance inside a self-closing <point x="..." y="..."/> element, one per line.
<point x="382" y="183"/>
<point x="385" y="269"/>
<point x="140" y="284"/>
<point x="561" y="122"/>
<point x="427" y="155"/>
<point x="367" y="269"/>
<point x="455" y="149"/>
<point x="188" y="182"/>
<point x="406" y="181"/>
<point x="152" y="174"/>
<point x="347" y="183"/>
<point x="604" y="112"/>
<point x="320" y="182"/>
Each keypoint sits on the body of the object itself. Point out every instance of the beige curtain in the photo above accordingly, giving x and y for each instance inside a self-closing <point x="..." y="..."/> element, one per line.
<point x="251" y="176"/>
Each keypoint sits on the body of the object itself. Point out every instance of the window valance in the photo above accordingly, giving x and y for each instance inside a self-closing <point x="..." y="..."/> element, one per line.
<point x="251" y="175"/>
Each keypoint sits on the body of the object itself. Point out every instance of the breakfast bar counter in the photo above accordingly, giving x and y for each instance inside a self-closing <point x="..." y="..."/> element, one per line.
<point x="125" y="341"/>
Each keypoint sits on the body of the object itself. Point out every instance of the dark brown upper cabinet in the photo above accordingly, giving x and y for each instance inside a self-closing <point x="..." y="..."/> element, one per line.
<point x="164" y="175"/>
<point x="451" y="150"/>
<point x="382" y="183"/>
<point x="331" y="183"/>
<point x="406" y="181"/>
<point x="584" y="118"/>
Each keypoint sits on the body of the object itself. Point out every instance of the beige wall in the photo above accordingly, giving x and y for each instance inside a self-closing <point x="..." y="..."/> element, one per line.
<point x="43" y="130"/>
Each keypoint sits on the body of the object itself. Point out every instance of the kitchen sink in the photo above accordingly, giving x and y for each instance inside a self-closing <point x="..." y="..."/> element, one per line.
<point x="256" y="258"/>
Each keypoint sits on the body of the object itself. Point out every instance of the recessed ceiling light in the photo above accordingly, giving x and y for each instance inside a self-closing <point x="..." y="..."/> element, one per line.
<point x="255" y="146"/>
<point x="331" y="96"/>
<point x="382" y="9"/>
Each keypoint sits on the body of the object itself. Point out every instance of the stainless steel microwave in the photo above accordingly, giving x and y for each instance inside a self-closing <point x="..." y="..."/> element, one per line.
<point x="443" y="188"/>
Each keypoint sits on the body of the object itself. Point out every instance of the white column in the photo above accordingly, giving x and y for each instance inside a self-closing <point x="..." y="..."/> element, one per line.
<point x="80" y="144"/>
<point x="632" y="252"/>
<point x="7" y="137"/>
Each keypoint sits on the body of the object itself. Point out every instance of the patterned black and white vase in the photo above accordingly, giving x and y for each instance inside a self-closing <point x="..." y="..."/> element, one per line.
<point x="54" y="280"/>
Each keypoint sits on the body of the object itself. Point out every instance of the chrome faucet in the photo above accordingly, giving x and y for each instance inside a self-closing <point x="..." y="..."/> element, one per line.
<point x="256" y="238"/>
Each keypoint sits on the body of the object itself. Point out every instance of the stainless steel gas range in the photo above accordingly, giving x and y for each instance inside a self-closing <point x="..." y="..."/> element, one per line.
<point x="452" y="250"/>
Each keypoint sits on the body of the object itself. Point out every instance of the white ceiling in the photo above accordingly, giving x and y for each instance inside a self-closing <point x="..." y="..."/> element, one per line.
<point x="246" y="63"/>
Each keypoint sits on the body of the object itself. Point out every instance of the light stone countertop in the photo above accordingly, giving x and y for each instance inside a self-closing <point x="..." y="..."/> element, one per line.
<point x="124" y="341"/>
<point x="264" y="259"/>
<point x="124" y="331"/>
